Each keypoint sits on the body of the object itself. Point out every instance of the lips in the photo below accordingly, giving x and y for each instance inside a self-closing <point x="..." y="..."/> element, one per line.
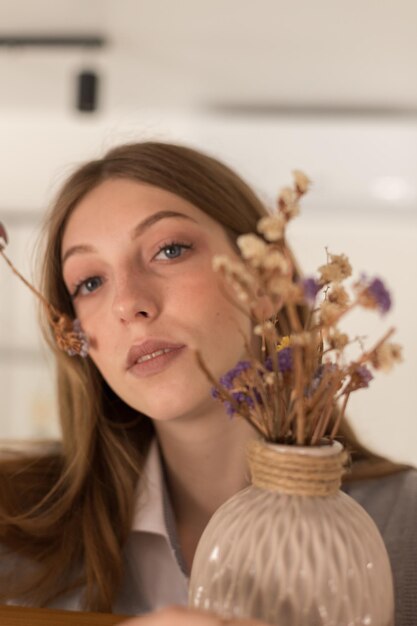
<point x="147" y="347"/>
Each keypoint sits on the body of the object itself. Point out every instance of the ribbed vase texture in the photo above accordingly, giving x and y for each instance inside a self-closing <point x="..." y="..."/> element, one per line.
<point x="294" y="561"/>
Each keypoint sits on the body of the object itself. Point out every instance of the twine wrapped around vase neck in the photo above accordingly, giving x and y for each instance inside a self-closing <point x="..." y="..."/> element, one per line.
<point x="288" y="471"/>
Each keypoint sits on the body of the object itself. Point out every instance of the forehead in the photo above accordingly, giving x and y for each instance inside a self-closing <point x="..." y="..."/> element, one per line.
<point x="119" y="204"/>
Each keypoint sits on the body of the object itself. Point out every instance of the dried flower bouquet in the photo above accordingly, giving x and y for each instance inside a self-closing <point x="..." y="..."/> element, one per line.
<point x="292" y="395"/>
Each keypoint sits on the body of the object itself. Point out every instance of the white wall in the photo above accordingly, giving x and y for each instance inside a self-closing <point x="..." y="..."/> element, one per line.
<point x="345" y="159"/>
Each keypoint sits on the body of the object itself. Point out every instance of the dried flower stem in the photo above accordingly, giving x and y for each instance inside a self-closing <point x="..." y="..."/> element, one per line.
<point x="26" y="282"/>
<point x="68" y="333"/>
<point x="367" y="355"/>
<point x="314" y="401"/>
<point x="298" y="367"/>
<point x="259" y="386"/>
<point x="322" y="424"/>
<point x="340" y="416"/>
<point x="265" y="419"/>
<point x="294" y="319"/>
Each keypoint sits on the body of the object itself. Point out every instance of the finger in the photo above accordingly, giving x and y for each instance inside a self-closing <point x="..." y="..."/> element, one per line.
<point x="185" y="616"/>
<point x="168" y="616"/>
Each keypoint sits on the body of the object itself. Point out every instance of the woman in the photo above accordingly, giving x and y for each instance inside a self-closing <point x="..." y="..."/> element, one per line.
<point x="110" y="520"/>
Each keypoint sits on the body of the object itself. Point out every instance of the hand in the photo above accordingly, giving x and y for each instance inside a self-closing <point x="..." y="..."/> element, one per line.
<point x="183" y="616"/>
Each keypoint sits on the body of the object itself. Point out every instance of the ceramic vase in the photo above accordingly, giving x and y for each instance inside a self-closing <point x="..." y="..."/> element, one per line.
<point x="292" y="549"/>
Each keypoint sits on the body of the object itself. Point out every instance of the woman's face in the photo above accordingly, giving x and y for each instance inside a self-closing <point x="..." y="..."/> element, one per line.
<point x="131" y="283"/>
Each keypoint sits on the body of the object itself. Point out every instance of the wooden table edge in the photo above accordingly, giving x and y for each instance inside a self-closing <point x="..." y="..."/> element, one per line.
<point x="27" y="616"/>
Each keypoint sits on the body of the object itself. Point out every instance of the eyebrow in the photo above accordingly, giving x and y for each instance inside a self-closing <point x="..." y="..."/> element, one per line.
<point x="138" y="231"/>
<point x="152" y="219"/>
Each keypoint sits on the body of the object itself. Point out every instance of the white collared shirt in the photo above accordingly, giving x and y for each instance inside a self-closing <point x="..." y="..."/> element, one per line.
<point x="154" y="571"/>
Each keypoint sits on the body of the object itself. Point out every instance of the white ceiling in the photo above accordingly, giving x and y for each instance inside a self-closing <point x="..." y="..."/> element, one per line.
<point x="169" y="61"/>
<point x="269" y="54"/>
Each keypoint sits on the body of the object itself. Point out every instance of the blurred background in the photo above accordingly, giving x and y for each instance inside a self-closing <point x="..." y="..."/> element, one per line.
<point x="268" y="87"/>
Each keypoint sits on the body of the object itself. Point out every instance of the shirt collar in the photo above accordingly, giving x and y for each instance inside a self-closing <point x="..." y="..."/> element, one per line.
<point x="149" y="513"/>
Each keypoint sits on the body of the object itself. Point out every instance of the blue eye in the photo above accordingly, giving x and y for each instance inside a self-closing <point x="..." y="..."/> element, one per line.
<point x="172" y="246"/>
<point x="89" y="285"/>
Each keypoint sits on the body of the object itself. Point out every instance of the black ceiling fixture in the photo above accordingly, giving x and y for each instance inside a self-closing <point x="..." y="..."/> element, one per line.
<point x="53" y="41"/>
<point x="87" y="91"/>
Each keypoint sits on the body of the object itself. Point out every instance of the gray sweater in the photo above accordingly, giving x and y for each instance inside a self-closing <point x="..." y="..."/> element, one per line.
<point x="392" y="503"/>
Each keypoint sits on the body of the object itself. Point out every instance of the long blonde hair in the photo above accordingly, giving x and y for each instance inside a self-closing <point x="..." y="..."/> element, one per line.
<point x="68" y="512"/>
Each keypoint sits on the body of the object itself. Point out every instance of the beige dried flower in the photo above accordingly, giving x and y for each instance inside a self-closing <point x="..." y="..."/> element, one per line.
<point x="272" y="227"/>
<point x="287" y="196"/>
<point x="232" y="269"/>
<point x="284" y="287"/>
<point x="275" y="260"/>
<point x="336" y="270"/>
<point x="253" y="248"/>
<point x="241" y="295"/>
<point x="270" y="378"/>
<point x="221" y="262"/>
<point x="338" y="295"/>
<point x="264" y="329"/>
<point x="386" y="355"/>
<point x="336" y="339"/>
<point x="330" y="313"/>
<point x="302" y="182"/>
<point x="287" y="203"/>
<point x="242" y="291"/>
<point x="293" y="211"/>
<point x="303" y="339"/>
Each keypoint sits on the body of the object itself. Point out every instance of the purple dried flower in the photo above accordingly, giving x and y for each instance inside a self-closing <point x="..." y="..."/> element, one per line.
<point x="359" y="378"/>
<point x="380" y="294"/>
<point x="311" y="287"/>
<point x="314" y="385"/>
<point x="77" y="341"/>
<point x="227" y="379"/>
<point x="285" y="360"/>
<point x="364" y="375"/>
<point x="241" y="398"/>
<point x="322" y="369"/>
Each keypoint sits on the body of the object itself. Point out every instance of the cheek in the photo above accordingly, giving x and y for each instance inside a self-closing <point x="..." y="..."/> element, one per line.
<point x="96" y="321"/>
<point x="102" y="340"/>
<point x="207" y="300"/>
<point x="214" y="305"/>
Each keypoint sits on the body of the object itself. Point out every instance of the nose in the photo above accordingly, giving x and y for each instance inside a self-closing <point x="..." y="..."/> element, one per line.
<point x="132" y="298"/>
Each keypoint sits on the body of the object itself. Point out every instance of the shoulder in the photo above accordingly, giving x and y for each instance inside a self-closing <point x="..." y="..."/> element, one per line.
<point x="392" y="497"/>
<point x="391" y="501"/>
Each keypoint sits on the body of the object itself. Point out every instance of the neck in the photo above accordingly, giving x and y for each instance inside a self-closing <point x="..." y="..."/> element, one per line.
<point x="204" y="468"/>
